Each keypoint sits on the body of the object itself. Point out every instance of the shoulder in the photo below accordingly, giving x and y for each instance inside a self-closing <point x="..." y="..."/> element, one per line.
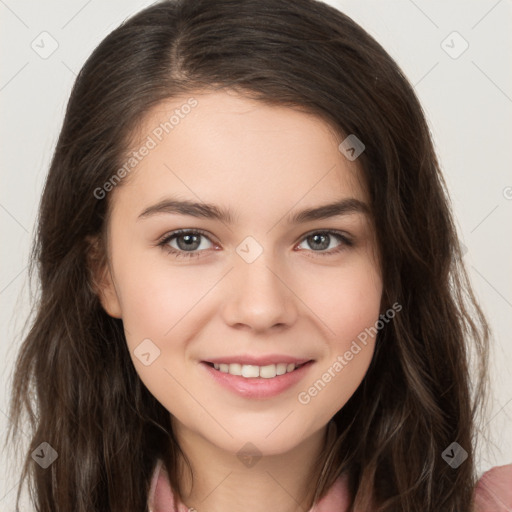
<point x="493" y="492"/>
<point x="161" y="497"/>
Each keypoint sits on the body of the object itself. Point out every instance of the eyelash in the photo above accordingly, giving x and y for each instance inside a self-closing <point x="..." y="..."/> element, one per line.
<point x="163" y="242"/>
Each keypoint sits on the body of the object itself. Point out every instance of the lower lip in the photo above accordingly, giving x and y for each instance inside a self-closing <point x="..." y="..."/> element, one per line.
<point x="257" y="387"/>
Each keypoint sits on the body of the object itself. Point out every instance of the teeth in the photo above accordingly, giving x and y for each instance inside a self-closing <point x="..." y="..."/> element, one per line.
<point x="281" y="368"/>
<point x="251" y="371"/>
<point x="248" y="370"/>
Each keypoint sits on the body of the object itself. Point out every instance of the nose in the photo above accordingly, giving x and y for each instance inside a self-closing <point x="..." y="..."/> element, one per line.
<point x="259" y="297"/>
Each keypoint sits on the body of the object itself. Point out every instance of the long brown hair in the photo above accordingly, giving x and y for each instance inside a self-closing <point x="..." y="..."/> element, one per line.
<point x="74" y="377"/>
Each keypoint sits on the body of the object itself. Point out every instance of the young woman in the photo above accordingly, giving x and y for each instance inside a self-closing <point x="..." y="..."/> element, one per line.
<point x="252" y="294"/>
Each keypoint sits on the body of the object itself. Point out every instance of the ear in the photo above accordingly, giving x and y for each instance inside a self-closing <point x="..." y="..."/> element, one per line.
<point x="101" y="280"/>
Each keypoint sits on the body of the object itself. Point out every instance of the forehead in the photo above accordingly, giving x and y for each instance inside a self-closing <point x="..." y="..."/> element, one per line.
<point x="226" y="147"/>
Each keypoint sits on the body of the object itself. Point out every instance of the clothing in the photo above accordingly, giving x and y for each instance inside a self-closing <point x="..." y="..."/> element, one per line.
<point x="493" y="493"/>
<point x="494" y="490"/>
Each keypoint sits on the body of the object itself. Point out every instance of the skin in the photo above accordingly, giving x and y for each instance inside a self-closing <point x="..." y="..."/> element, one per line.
<point x="264" y="163"/>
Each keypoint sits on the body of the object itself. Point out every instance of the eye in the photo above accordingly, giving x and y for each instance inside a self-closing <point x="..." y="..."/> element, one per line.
<point x="321" y="240"/>
<point x="187" y="240"/>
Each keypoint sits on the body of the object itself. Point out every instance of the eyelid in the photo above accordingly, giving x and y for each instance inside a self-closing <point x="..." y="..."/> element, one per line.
<point x="184" y="231"/>
<point x="344" y="234"/>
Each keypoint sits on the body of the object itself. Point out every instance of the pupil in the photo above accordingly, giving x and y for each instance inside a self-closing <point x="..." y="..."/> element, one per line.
<point x="325" y="244"/>
<point x="189" y="239"/>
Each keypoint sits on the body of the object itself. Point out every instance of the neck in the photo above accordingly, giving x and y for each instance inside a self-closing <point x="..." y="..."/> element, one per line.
<point x="221" y="483"/>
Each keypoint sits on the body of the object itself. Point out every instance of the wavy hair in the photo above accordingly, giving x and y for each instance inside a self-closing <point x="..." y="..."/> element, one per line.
<point x="74" y="379"/>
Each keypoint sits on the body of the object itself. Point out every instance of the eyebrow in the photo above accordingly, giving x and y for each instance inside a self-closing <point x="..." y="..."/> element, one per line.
<point x="210" y="211"/>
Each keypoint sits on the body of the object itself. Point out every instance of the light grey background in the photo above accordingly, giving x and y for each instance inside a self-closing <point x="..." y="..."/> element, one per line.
<point x="467" y="99"/>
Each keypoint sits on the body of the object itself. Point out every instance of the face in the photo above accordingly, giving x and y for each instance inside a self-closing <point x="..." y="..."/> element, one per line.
<point x="257" y="284"/>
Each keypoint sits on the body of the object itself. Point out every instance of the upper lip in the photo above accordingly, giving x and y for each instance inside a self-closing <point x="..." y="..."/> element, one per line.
<point x="258" y="360"/>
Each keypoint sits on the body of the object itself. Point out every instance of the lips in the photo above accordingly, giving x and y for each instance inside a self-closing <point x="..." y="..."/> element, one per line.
<point x="254" y="387"/>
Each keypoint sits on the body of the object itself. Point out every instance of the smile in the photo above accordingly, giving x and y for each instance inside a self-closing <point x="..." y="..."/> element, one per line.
<point x="257" y="382"/>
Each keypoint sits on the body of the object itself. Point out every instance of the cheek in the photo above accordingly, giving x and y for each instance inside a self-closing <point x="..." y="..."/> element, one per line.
<point x="156" y="299"/>
<point x="346" y="300"/>
<point x="158" y="305"/>
<point x="349" y="312"/>
<point x="341" y="371"/>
